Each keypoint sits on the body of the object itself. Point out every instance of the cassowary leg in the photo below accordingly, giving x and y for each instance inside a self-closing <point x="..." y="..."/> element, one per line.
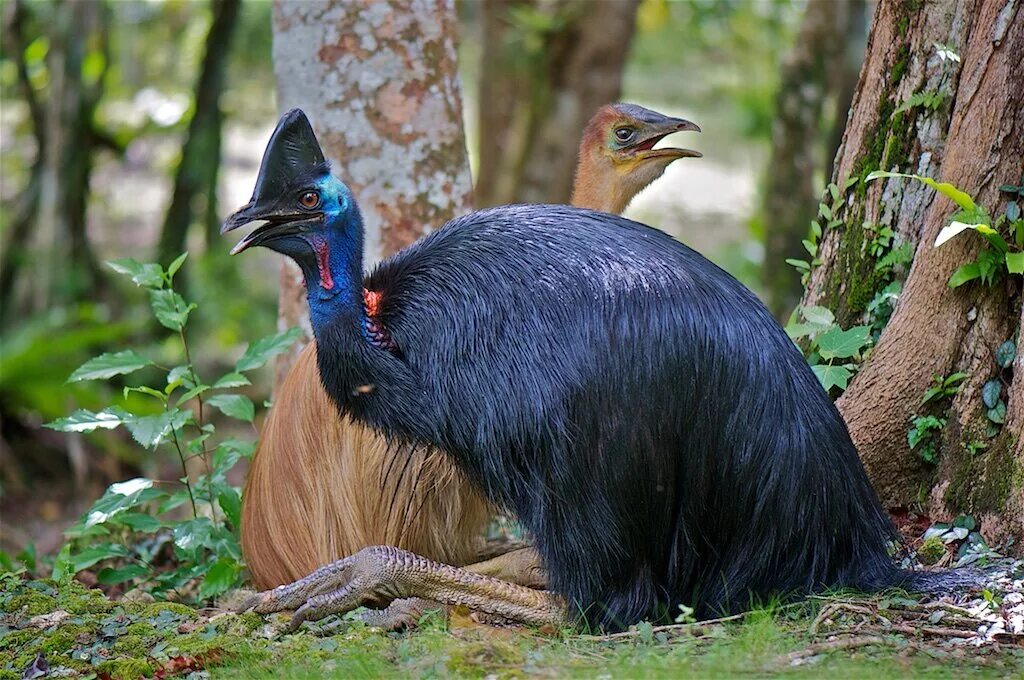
<point x="520" y="565"/>
<point x="375" y="577"/>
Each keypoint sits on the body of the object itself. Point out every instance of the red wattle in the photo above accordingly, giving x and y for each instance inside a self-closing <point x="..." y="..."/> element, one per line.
<point x="323" y="262"/>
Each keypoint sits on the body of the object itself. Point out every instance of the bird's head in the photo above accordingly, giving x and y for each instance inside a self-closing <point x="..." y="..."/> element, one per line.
<point x="617" y="151"/>
<point x="300" y="208"/>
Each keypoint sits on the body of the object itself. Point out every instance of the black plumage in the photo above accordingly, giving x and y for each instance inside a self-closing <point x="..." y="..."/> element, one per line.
<point x="635" y="406"/>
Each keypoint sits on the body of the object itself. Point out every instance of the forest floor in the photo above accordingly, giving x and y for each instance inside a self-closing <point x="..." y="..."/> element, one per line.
<point x="69" y="631"/>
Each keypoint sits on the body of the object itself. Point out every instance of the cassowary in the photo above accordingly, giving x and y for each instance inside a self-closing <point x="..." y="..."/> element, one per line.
<point x="633" y="405"/>
<point x="322" y="487"/>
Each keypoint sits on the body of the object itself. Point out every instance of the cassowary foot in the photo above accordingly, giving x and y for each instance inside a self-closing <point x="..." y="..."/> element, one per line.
<point x="375" y="577"/>
<point x="403" y="614"/>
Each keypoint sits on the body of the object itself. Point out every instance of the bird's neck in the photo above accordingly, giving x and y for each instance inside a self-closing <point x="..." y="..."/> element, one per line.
<point x="334" y="280"/>
<point x="597" y="186"/>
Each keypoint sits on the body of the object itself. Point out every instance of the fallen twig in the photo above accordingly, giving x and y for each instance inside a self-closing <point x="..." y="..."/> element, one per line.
<point x="833" y="645"/>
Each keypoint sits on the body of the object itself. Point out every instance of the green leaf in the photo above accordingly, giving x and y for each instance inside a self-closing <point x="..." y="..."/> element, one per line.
<point x="110" y="576"/>
<point x="86" y="421"/>
<point x="1006" y="353"/>
<point x="173" y="268"/>
<point x="95" y="554"/>
<point x="62" y="565"/>
<point x="198" y="389"/>
<point x="965" y="273"/>
<point x="170" y="309"/>
<point x="144" y="389"/>
<point x="834" y="190"/>
<point x="819" y="316"/>
<point x="137" y="521"/>
<point x="991" y="392"/>
<point x="832" y="376"/>
<point x="232" y="379"/>
<point x="234" y="405"/>
<point x="1013" y="211"/>
<point x="801" y="265"/>
<point x="219" y="578"/>
<point x="108" y="365"/>
<point x="840" y="344"/>
<point x="230" y="502"/>
<point x="147" y="275"/>
<point x="229" y="451"/>
<point x="948" y="190"/>
<point x="263" y="350"/>
<point x="825" y="211"/>
<point x="151" y="431"/>
<point x="117" y="499"/>
<point x="1015" y="262"/>
<point x="997" y="414"/>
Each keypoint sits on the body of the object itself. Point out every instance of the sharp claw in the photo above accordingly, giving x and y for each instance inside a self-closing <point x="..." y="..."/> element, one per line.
<point x="248" y="603"/>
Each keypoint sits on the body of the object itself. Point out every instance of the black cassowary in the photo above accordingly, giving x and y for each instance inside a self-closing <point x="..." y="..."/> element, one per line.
<point x="634" y="406"/>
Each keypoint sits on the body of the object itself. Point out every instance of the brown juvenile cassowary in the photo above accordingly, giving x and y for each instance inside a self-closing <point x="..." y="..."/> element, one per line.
<point x="322" y="487"/>
<point x="634" y="406"/>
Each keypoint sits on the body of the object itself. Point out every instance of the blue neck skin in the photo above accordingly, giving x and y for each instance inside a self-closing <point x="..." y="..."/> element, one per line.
<point x="334" y="284"/>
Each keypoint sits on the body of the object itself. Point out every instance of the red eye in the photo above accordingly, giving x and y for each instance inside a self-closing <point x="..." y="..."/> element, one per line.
<point x="310" y="199"/>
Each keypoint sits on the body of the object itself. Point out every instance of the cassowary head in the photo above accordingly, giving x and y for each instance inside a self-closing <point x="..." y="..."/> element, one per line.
<point x="617" y="154"/>
<point x="304" y="212"/>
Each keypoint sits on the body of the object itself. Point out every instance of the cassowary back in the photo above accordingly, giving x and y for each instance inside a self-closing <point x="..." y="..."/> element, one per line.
<point x="636" y="407"/>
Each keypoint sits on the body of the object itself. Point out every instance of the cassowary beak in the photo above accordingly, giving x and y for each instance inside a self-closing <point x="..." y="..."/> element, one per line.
<point x="655" y="128"/>
<point x="292" y="154"/>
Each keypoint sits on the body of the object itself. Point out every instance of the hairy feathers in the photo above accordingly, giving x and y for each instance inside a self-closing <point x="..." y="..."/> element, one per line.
<point x="636" y="407"/>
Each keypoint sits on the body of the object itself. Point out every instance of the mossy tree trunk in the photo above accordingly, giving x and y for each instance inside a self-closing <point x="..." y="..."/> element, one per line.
<point x="546" y="69"/>
<point x="379" y="82"/>
<point x="961" y="121"/>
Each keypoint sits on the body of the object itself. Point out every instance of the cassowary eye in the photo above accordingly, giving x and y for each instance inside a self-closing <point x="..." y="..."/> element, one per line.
<point x="309" y="199"/>
<point x="624" y="134"/>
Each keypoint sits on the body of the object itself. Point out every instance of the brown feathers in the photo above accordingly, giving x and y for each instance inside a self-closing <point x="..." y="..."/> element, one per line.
<point x="321" y="488"/>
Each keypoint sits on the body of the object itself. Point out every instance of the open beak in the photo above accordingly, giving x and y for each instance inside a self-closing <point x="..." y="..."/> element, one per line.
<point x="291" y="152"/>
<point x="659" y="128"/>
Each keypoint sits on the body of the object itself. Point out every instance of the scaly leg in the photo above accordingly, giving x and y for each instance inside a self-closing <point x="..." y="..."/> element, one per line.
<point x="520" y="564"/>
<point x="376" y="576"/>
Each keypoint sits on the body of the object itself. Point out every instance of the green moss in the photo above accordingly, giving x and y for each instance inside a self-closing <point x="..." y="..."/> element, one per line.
<point x="475" y="659"/>
<point x="149" y="611"/>
<point x="125" y="669"/>
<point x="75" y="598"/>
<point x="932" y="550"/>
<point x="238" y="624"/>
<point x="65" y="637"/>
<point x="32" y="604"/>
<point x="20" y="640"/>
<point x="141" y="628"/>
<point x="9" y="675"/>
<point x="982" y="482"/>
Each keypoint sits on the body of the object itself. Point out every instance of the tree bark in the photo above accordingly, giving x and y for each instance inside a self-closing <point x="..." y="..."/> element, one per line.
<point x="535" y="101"/>
<point x="200" y="157"/>
<point x="802" y="143"/>
<point x="24" y="213"/>
<point x="379" y="82"/>
<point x="973" y="139"/>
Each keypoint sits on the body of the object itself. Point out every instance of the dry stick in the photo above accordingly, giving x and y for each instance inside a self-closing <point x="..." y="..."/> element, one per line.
<point x="834" y="645"/>
<point x="934" y="631"/>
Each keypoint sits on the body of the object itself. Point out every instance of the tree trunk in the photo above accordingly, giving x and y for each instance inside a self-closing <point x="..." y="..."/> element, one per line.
<point x="968" y="131"/>
<point x="802" y="141"/>
<point x="79" y="28"/>
<point x="541" y="88"/>
<point x="200" y="157"/>
<point x="379" y="82"/>
<point x="23" y="216"/>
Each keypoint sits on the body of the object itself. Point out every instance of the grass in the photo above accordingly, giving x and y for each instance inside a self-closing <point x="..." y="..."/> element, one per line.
<point x="80" y="633"/>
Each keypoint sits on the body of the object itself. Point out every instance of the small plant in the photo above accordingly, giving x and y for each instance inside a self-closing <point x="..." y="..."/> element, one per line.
<point x="1003" y="253"/>
<point x="993" y="390"/>
<point x="136" y="528"/>
<point x="922" y="437"/>
<point x="833" y="353"/>
<point x="943" y="388"/>
<point x="831" y="203"/>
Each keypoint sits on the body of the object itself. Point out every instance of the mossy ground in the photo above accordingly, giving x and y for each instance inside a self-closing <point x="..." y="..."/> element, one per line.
<point x="128" y="640"/>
